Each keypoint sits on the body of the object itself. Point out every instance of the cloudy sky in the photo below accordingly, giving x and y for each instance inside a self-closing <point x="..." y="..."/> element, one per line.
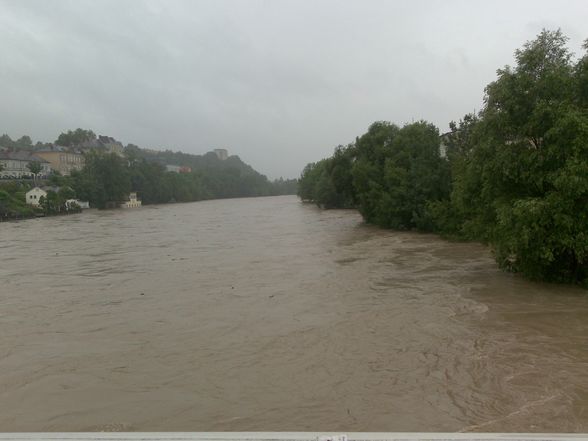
<point x="279" y="83"/>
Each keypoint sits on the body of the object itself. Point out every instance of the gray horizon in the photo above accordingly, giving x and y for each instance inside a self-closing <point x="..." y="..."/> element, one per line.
<point x="279" y="83"/>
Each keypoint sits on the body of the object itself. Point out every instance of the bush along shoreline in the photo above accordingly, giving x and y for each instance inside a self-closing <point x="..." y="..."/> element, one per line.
<point x="14" y="207"/>
<point x="513" y="176"/>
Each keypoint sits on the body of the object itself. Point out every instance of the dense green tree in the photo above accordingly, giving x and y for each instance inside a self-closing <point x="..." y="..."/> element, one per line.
<point x="35" y="168"/>
<point x="12" y="201"/>
<point x="390" y="174"/>
<point x="283" y="186"/>
<point x="398" y="173"/>
<point x="6" y="141"/>
<point x="50" y="203"/>
<point x="468" y="213"/>
<point x="75" y="138"/>
<point x="521" y="187"/>
<point x="307" y="182"/>
<point x="24" y="142"/>
<point x="372" y="150"/>
<point x="581" y="79"/>
<point x="104" y="181"/>
<point x="341" y="177"/>
<point x="56" y="201"/>
<point x="316" y="185"/>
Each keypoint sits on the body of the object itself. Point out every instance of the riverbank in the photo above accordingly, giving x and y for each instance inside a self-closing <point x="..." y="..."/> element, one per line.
<point x="32" y="214"/>
<point x="37" y="215"/>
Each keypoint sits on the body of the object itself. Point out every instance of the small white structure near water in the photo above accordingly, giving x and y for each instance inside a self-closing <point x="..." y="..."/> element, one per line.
<point x="172" y="168"/>
<point x="133" y="202"/>
<point x="82" y="204"/>
<point x="33" y="196"/>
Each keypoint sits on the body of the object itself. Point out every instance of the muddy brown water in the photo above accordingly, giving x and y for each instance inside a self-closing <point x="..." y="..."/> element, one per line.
<point x="268" y="314"/>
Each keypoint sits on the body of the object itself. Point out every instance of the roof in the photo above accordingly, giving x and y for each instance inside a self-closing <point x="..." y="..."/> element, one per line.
<point x="46" y="188"/>
<point x="100" y="142"/>
<point x="89" y="144"/>
<point x="52" y="149"/>
<point x="108" y="140"/>
<point x="21" y="156"/>
<point x="58" y="149"/>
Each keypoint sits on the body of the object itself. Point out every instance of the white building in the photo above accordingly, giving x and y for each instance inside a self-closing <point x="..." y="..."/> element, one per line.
<point x="443" y="140"/>
<point x="111" y="145"/>
<point x="14" y="165"/>
<point x="62" y="160"/>
<point x="221" y="154"/>
<point x="173" y="168"/>
<point x="133" y="202"/>
<point x="34" y="195"/>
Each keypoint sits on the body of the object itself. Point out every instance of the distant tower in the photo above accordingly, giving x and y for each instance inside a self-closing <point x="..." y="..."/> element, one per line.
<point x="221" y="154"/>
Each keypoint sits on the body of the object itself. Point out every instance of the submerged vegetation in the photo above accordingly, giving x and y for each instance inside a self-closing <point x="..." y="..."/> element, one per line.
<point x="514" y="176"/>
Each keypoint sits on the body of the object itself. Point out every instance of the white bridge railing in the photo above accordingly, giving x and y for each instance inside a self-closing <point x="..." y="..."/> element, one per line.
<point x="289" y="436"/>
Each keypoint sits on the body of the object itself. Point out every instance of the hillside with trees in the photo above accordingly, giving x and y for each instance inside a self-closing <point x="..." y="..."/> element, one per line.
<point x="107" y="178"/>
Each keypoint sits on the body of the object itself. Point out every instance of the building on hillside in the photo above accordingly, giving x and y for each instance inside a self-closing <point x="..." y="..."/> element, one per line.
<point x="133" y="202"/>
<point x="178" y="169"/>
<point x="111" y="145"/>
<point x="89" y="144"/>
<point x="106" y="144"/>
<point x="33" y="196"/>
<point x="14" y="165"/>
<point x="62" y="160"/>
<point x="443" y="140"/>
<point x="221" y="154"/>
<point x="172" y="168"/>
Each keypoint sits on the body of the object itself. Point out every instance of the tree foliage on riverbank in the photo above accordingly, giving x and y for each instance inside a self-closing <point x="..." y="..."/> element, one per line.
<point x="515" y="175"/>
<point x="12" y="201"/>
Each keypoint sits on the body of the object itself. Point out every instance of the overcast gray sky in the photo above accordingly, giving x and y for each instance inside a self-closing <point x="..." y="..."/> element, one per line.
<point x="279" y="83"/>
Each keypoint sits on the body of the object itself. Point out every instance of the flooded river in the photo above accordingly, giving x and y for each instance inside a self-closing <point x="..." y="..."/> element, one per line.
<point x="267" y="314"/>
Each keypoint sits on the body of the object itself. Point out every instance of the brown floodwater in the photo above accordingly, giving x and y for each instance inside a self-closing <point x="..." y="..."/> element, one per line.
<point x="268" y="314"/>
